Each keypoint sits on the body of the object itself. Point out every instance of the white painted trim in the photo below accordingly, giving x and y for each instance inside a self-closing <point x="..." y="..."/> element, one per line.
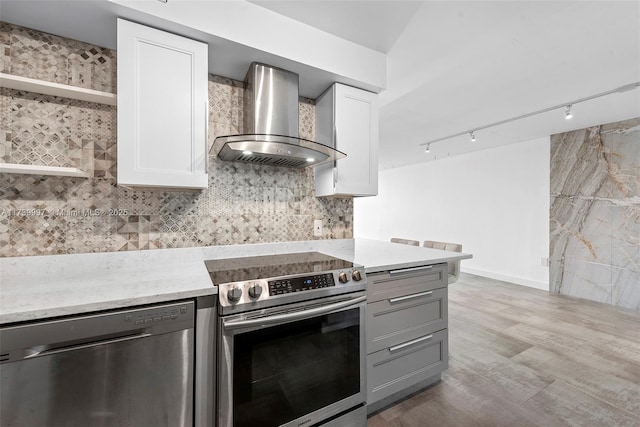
<point x="56" y="89"/>
<point x="41" y="170"/>
<point x="505" y="278"/>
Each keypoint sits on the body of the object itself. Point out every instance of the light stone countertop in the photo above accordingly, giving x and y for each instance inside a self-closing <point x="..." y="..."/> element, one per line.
<point x="376" y="255"/>
<point x="40" y="287"/>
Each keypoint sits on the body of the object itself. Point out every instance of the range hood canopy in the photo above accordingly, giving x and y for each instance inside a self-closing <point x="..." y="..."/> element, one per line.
<point x="271" y="123"/>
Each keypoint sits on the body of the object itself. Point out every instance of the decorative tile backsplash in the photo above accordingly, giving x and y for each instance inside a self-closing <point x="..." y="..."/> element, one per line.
<point x="41" y="215"/>
<point x="595" y="213"/>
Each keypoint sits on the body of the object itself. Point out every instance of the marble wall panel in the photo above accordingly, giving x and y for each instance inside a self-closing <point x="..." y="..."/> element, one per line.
<point x="244" y="203"/>
<point x="595" y="213"/>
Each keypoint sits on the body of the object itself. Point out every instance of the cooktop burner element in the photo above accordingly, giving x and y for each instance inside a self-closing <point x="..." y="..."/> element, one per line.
<point x="258" y="282"/>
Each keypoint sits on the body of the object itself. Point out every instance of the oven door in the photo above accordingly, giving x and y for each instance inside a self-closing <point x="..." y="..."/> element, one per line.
<point x="292" y="366"/>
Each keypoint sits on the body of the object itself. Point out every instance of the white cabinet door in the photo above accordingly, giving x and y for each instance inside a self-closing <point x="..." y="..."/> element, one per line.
<point x="162" y="109"/>
<point x="347" y="119"/>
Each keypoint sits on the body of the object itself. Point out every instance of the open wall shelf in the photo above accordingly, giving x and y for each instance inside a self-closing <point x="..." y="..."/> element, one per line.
<point x="56" y="89"/>
<point x="42" y="170"/>
<point x="11" y="81"/>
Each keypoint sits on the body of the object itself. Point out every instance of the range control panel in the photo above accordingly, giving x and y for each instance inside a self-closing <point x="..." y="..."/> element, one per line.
<point x="298" y="284"/>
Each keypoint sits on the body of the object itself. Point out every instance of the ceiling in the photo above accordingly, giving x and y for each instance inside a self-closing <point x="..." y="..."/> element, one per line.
<point x="455" y="66"/>
<point x="373" y="24"/>
<point x="458" y="65"/>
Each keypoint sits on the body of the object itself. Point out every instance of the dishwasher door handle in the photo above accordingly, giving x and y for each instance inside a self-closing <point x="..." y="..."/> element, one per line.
<point x="85" y="345"/>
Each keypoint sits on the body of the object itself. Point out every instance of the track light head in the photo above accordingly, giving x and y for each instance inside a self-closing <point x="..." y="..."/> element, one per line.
<point x="473" y="136"/>
<point x="427" y="149"/>
<point x="567" y="112"/>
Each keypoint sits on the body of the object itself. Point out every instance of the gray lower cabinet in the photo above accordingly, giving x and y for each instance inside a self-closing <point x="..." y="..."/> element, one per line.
<point x="392" y="371"/>
<point x="407" y="337"/>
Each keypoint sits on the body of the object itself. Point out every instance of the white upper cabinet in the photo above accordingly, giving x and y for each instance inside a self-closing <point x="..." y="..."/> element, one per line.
<point x="162" y="109"/>
<point x="347" y="120"/>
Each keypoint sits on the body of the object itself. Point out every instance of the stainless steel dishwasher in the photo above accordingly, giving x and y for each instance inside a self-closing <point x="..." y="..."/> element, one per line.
<point x="122" y="368"/>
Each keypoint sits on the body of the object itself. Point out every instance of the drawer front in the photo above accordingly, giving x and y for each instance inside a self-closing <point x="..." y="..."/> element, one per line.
<point x="393" y="369"/>
<point x="396" y="320"/>
<point x="397" y="283"/>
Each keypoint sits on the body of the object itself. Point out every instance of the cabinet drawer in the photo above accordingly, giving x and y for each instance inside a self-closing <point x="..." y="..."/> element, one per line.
<point x="397" y="283"/>
<point x="393" y="369"/>
<point x="396" y="320"/>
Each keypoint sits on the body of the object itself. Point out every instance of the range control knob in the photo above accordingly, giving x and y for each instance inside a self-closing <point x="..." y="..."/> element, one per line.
<point x="356" y="275"/>
<point x="342" y="277"/>
<point x="234" y="294"/>
<point x="255" y="291"/>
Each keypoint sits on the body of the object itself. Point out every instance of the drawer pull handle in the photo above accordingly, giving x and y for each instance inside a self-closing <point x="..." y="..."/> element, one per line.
<point x="410" y="270"/>
<point x="409" y="343"/>
<point x="408" y="297"/>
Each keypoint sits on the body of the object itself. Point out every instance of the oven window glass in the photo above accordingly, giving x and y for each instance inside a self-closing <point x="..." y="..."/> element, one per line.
<point x="284" y="372"/>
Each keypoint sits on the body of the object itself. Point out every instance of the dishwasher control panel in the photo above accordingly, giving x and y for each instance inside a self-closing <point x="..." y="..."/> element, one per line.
<point x="79" y="333"/>
<point x="160" y="314"/>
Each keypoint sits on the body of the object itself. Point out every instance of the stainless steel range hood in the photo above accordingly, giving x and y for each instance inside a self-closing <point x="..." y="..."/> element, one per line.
<point x="271" y="124"/>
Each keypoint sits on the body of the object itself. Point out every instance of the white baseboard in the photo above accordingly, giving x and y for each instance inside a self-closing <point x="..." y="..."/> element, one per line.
<point x="497" y="276"/>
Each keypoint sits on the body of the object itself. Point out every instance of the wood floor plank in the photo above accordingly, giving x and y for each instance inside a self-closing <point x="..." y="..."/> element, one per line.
<point x="601" y="385"/>
<point x="437" y="412"/>
<point x="572" y="407"/>
<point x="488" y="339"/>
<point x="578" y="350"/>
<point x="525" y="357"/>
<point x="607" y="323"/>
<point x="463" y="398"/>
<point x="480" y="318"/>
<point x="486" y="402"/>
<point x="518" y="380"/>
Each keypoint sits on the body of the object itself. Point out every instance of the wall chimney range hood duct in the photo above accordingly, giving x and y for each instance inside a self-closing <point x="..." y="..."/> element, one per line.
<point x="271" y="124"/>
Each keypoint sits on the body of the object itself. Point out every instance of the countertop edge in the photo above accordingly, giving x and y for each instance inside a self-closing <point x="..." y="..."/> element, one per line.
<point x="69" y="285"/>
<point x="399" y="266"/>
<point x="7" y="319"/>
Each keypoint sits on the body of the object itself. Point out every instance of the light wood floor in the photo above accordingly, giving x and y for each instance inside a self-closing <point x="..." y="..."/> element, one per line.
<point x="524" y="357"/>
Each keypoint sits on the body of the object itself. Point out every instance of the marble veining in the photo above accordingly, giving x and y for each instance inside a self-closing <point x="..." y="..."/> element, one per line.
<point x="595" y="213"/>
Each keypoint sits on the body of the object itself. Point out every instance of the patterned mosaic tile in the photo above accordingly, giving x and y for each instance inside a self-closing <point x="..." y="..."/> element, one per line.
<point x="5" y="124"/>
<point x="92" y="67"/>
<point x="136" y="202"/>
<point x="37" y="235"/>
<point x="39" y="130"/>
<point x="37" y="55"/>
<point x="5" y="47"/>
<point x="93" y="194"/>
<point x="36" y="188"/>
<point x="93" y="234"/>
<point x="6" y="248"/>
<point x="43" y="56"/>
<point x="226" y="98"/>
<point x="176" y="203"/>
<point x="244" y="203"/>
<point x="220" y="101"/>
<point x="307" y="119"/>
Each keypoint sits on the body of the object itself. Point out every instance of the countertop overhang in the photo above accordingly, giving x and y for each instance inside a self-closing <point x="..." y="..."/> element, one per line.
<point x="376" y="255"/>
<point x="42" y="287"/>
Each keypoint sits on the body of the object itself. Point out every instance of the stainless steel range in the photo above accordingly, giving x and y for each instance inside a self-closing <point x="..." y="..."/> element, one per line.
<point x="290" y="341"/>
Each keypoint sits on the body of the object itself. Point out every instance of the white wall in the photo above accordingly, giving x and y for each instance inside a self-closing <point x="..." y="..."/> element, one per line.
<point x="495" y="202"/>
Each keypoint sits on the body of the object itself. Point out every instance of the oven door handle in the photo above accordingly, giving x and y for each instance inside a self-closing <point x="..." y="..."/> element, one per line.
<point x="289" y="317"/>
